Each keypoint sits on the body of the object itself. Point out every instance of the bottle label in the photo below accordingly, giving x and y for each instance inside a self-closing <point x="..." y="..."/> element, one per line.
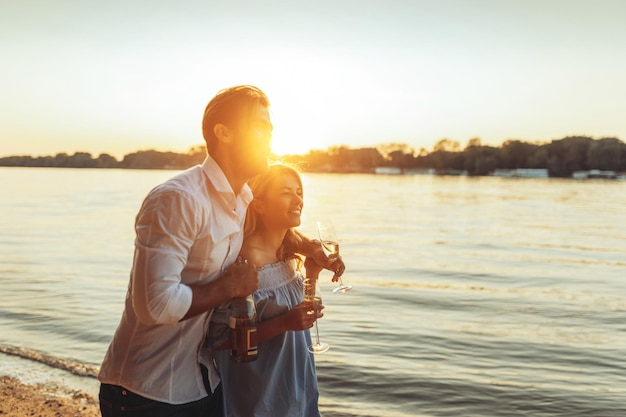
<point x="243" y="337"/>
<point x="252" y="342"/>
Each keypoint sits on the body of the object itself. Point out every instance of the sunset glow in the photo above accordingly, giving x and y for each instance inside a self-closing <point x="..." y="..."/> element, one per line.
<point x="111" y="78"/>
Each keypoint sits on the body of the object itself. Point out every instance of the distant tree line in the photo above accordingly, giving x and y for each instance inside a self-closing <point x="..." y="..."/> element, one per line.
<point x="149" y="159"/>
<point x="560" y="157"/>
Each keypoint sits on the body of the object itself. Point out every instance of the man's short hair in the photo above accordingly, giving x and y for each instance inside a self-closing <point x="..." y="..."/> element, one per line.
<point x="228" y="107"/>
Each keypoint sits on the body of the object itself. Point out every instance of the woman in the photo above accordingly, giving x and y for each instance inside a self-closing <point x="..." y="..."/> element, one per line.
<point x="282" y="381"/>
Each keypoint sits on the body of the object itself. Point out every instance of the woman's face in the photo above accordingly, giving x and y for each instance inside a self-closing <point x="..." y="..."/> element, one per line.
<point x="283" y="202"/>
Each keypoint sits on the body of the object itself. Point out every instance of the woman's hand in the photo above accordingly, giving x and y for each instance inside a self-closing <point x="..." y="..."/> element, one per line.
<point x="319" y="261"/>
<point x="302" y="316"/>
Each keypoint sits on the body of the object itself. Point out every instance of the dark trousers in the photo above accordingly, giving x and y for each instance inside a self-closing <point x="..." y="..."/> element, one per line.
<point x="116" y="401"/>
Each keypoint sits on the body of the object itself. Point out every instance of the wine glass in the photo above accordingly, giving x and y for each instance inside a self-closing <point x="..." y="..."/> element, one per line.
<point x="312" y="294"/>
<point x="330" y="246"/>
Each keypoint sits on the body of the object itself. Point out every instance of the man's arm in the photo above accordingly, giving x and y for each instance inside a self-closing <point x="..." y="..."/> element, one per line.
<point x="239" y="280"/>
<point x="165" y="233"/>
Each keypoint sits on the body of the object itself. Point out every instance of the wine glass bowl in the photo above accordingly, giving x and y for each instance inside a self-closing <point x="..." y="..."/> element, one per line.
<point x="330" y="246"/>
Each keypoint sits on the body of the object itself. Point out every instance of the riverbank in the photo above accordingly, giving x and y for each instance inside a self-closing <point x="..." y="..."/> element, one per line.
<point x="29" y="388"/>
<point x="21" y="400"/>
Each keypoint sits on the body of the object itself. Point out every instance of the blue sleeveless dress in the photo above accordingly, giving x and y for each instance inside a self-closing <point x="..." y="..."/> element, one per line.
<point x="282" y="381"/>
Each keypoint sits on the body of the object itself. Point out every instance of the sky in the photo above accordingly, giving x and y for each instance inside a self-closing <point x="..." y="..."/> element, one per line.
<point x="121" y="76"/>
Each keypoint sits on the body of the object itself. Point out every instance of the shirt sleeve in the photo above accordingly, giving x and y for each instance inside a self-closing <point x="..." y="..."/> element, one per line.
<point x="164" y="236"/>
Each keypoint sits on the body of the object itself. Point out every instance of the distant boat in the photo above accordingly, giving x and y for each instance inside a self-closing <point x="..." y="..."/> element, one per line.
<point x="521" y="173"/>
<point x="458" y="172"/>
<point x="388" y="170"/>
<point x="596" y="174"/>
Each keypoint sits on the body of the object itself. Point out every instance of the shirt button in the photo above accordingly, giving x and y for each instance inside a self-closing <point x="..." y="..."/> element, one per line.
<point x="124" y="392"/>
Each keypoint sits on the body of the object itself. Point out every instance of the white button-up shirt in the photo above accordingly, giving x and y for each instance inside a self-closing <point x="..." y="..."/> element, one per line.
<point x="189" y="230"/>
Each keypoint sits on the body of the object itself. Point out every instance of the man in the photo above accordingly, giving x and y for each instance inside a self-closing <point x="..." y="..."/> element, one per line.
<point x="189" y="231"/>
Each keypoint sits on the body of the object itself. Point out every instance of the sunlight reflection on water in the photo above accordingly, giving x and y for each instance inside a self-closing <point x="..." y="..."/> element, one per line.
<point x="472" y="296"/>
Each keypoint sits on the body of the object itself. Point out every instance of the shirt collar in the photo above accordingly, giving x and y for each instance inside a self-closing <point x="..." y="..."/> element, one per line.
<point x="216" y="176"/>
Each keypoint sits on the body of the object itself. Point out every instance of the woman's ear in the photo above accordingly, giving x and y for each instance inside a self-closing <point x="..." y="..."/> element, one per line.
<point x="222" y="133"/>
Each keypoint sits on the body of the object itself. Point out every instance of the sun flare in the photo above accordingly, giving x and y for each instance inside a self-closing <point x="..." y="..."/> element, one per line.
<point x="290" y="143"/>
<point x="293" y="134"/>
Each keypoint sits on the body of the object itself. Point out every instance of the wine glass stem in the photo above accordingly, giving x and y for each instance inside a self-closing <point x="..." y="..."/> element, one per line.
<point x="317" y="334"/>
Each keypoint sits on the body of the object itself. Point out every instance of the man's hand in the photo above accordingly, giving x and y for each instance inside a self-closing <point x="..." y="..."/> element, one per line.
<point x="238" y="281"/>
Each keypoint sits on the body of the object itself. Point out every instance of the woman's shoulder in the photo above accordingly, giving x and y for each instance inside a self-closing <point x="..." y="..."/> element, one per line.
<point x="256" y="253"/>
<point x="257" y="257"/>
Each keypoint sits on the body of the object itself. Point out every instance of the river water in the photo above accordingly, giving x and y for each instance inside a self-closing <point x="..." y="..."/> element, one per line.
<point x="472" y="296"/>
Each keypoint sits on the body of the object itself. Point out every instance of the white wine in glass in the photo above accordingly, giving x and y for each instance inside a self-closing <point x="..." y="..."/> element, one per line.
<point x="312" y="294"/>
<point x="330" y="246"/>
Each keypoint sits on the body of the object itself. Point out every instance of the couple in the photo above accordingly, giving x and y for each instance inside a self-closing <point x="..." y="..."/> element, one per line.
<point x="189" y="232"/>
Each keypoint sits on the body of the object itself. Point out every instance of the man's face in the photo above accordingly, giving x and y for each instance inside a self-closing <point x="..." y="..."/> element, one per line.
<point x="252" y="141"/>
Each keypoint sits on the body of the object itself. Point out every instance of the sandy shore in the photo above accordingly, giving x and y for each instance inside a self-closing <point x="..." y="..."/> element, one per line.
<point x="21" y="400"/>
<point x="33" y="389"/>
